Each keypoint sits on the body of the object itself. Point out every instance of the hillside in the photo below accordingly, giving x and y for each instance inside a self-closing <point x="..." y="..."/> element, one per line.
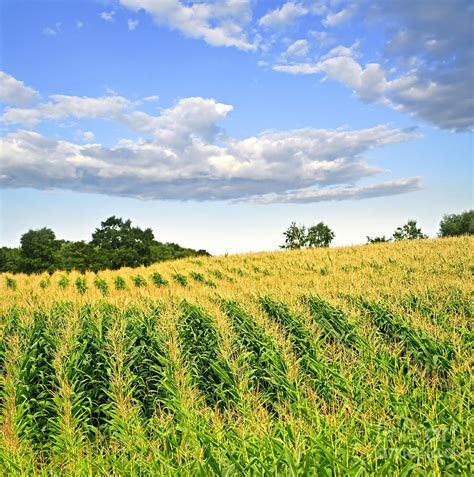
<point x="312" y="362"/>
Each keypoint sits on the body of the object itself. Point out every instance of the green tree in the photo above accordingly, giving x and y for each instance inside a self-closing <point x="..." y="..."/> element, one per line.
<point x="39" y="251"/>
<point x="457" y="224"/>
<point x="298" y="236"/>
<point x="319" y="235"/>
<point x="10" y="260"/>
<point x="295" y="236"/>
<point x="77" y="256"/>
<point x="118" y="244"/>
<point x="409" y="231"/>
<point x="378" y="239"/>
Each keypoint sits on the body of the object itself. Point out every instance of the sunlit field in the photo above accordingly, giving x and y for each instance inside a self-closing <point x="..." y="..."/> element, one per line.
<point x="346" y="361"/>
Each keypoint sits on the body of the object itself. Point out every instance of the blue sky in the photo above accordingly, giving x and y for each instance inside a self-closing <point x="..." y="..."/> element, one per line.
<point x="217" y="123"/>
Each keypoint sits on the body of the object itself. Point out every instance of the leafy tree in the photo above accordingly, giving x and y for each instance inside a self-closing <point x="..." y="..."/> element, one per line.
<point x="118" y="244"/>
<point x="409" y="231"/>
<point x="319" y="235"/>
<point x="10" y="260"/>
<point x="295" y="236"/>
<point x="378" y="239"/>
<point x="457" y="224"/>
<point x="77" y="256"/>
<point x="39" y="251"/>
<point x="298" y="236"/>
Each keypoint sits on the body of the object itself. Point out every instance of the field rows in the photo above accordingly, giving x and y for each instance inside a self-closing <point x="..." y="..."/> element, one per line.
<point x="255" y="365"/>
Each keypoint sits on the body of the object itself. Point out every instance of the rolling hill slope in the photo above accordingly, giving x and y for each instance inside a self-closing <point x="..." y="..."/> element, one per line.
<point x="316" y="362"/>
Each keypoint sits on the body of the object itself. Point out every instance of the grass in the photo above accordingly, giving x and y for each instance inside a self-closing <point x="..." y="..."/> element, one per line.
<point x="349" y="361"/>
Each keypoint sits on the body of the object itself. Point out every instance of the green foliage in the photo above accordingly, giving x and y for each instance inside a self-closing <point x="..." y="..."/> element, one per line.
<point x="409" y="231"/>
<point x="138" y="281"/>
<point x="333" y="322"/>
<point x="431" y="354"/>
<point x="118" y="244"/>
<point x="323" y="375"/>
<point x="10" y="283"/>
<point x="319" y="235"/>
<point x="64" y="281"/>
<point x="298" y="236"/>
<point x="457" y="224"/>
<point x="268" y="371"/>
<point x="81" y="285"/>
<point x="36" y="383"/>
<point x="381" y="239"/>
<point x="39" y="251"/>
<point x="158" y="279"/>
<point x="44" y="282"/>
<point x="101" y="285"/>
<point x="119" y="283"/>
<point x="295" y="236"/>
<point x="10" y="260"/>
<point x="180" y="279"/>
<point x="209" y="371"/>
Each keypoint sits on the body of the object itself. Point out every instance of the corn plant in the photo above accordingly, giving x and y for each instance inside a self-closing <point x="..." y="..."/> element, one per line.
<point x="101" y="285"/>
<point x="81" y="285"/>
<point x="208" y="369"/>
<point x="119" y="283"/>
<point x="180" y="279"/>
<point x="10" y="283"/>
<point x="138" y="281"/>
<point x="63" y="281"/>
<point x="158" y="280"/>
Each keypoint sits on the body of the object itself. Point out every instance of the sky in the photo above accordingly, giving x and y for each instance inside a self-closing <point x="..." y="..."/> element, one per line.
<point x="219" y="122"/>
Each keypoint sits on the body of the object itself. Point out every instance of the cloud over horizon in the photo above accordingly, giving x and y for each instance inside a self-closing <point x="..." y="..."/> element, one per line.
<point x="186" y="155"/>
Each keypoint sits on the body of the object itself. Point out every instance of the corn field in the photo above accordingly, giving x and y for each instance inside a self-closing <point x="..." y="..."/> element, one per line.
<point x="349" y="361"/>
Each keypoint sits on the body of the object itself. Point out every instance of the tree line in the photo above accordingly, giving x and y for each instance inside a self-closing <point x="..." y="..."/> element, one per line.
<point x="321" y="235"/>
<point x="115" y="244"/>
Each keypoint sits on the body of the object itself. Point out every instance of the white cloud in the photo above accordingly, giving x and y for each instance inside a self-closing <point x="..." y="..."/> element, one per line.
<point x="63" y="106"/>
<point x="188" y="157"/>
<point x="284" y="15"/>
<point x="335" y="19"/>
<point x="184" y="153"/>
<point x="108" y="16"/>
<point x="132" y="24"/>
<point x="13" y="91"/>
<point x="79" y="24"/>
<point x="88" y="135"/>
<point x="218" y="24"/>
<point x="310" y="195"/>
<point x="151" y="99"/>
<point x="298" y="48"/>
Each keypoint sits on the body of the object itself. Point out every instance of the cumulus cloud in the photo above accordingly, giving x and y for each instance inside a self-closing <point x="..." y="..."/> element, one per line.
<point x="185" y="155"/>
<point x="13" y="91"/>
<point x="284" y="15"/>
<point x="428" y="67"/>
<point x="63" y="106"/>
<point x="217" y="23"/>
<point x="309" y="195"/>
